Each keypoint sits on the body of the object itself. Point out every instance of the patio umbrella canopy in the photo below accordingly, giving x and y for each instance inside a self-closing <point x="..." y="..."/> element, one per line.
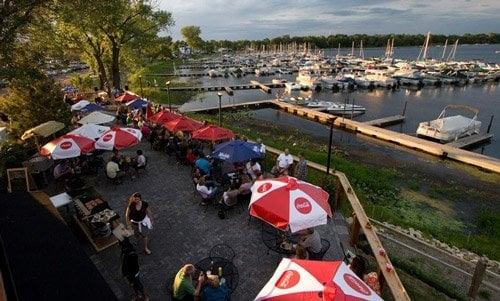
<point x="97" y="118"/>
<point x="119" y="138"/>
<point x="236" y="151"/>
<point x="182" y="124"/>
<point x="45" y="129"/>
<point x="89" y="130"/>
<point x="80" y="105"/>
<point x="137" y="104"/>
<point x="126" y="97"/>
<point x="163" y="116"/>
<point x="67" y="146"/>
<point x="213" y="133"/>
<point x="301" y="280"/>
<point x="91" y="108"/>
<point x="288" y="202"/>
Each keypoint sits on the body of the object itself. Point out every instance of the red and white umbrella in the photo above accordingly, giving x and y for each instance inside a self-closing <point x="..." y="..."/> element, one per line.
<point x="288" y="202"/>
<point x="67" y="146"/>
<point x="119" y="138"/>
<point x="311" y="280"/>
<point x="183" y="124"/>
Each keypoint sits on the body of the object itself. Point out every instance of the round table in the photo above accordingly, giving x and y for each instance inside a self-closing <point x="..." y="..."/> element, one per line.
<point x="277" y="240"/>
<point x="229" y="270"/>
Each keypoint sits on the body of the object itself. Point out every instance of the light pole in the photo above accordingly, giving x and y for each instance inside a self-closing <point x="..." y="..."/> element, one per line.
<point x="330" y="148"/>
<point x="168" y="93"/>
<point x="140" y="82"/>
<point x="220" y="107"/>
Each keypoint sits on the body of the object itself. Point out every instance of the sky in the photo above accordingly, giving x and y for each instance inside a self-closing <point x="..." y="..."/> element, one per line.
<point x="257" y="19"/>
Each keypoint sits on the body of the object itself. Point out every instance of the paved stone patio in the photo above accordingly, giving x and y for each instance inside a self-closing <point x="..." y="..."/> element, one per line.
<point x="183" y="233"/>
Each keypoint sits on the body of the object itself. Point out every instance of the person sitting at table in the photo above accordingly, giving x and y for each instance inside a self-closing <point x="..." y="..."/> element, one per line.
<point x="203" y="165"/>
<point x="358" y="266"/>
<point x="251" y="167"/>
<point x="213" y="290"/>
<point x="230" y="197"/>
<point x="301" y="252"/>
<point x="190" y="156"/>
<point x="183" y="288"/>
<point x="311" y="241"/>
<point x="140" y="161"/>
<point x="116" y="155"/>
<point x="63" y="171"/>
<point x="206" y="190"/>
<point x="113" y="171"/>
<point x="259" y="175"/>
<point x="139" y="217"/>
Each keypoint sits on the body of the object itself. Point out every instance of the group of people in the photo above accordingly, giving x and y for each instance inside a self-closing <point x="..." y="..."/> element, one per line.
<point x="119" y="166"/>
<point x="190" y="284"/>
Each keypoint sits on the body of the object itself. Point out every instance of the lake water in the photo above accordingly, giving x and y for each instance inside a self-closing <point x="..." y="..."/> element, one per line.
<point x="422" y="105"/>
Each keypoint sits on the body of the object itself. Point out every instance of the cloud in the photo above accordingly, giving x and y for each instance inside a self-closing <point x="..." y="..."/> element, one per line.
<point x="250" y="19"/>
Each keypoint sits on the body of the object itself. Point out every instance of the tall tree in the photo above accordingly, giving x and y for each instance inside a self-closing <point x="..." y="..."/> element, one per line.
<point x="192" y="37"/>
<point x="127" y="22"/>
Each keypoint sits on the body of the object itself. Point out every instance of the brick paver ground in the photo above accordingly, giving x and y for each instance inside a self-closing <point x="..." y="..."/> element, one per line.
<point x="183" y="233"/>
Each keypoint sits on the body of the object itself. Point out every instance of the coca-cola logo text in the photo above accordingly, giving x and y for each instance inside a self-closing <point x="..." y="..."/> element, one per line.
<point x="288" y="279"/>
<point x="303" y="205"/>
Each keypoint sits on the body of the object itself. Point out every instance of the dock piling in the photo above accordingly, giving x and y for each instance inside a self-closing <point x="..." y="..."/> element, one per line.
<point x="489" y="125"/>
<point x="404" y="109"/>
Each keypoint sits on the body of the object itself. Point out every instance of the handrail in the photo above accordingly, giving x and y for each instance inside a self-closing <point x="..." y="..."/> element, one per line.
<point x="361" y="221"/>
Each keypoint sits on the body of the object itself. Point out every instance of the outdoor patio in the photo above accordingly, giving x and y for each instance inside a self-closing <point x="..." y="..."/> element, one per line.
<point x="183" y="233"/>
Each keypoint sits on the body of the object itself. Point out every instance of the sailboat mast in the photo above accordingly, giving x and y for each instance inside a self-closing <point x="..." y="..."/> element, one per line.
<point x="352" y="49"/>
<point x="338" y="50"/>
<point x="444" y="49"/>
<point x="361" y="53"/>
<point x="426" y="48"/>
<point x="454" y="50"/>
<point x="392" y="47"/>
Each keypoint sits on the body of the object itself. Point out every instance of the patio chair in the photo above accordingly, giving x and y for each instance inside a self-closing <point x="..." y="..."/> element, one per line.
<point x="223" y="251"/>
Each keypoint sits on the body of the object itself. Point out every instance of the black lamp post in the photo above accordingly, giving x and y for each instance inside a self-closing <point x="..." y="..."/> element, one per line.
<point x="220" y="107"/>
<point x="168" y="93"/>
<point x="330" y="147"/>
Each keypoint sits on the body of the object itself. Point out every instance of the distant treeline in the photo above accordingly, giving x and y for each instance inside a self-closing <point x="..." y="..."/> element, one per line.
<point x="332" y="41"/>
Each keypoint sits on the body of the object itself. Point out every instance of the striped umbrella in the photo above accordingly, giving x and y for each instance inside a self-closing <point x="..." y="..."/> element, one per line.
<point x="67" y="146"/>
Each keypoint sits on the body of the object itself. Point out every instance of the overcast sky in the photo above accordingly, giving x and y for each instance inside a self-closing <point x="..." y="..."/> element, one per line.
<point x="256" y="19"/>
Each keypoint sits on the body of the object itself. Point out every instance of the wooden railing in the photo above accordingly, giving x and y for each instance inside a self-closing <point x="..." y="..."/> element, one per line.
<point x="344" y="191"/>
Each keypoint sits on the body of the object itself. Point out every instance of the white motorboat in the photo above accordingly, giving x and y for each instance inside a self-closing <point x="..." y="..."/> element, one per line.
<point x="345" y="109"/>
<point x="213" y="73"/>
<point x="446" y="129"/>
<point x="319" y="104"/>
<point x="307" y="80"/>
<point x="292" y="87"/>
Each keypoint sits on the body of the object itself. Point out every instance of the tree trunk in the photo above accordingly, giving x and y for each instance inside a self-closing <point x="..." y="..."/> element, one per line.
<point x="103" y="77"/>
<point x="115" y="65"/>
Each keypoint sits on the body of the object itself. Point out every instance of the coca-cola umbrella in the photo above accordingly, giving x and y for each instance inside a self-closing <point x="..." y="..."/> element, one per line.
<point x="311" y="280"/>
<point x="163" y="116"/>
<point x="67" y="146"/>
<point x="212" y="133"/>
<point x="288" y="202"/>
<point x="183" y="124"/>
<point x="119" y="138"/>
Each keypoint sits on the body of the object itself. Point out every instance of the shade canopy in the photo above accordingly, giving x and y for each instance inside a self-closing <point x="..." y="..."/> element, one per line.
<point x="183" y="124"/>
<point x="80" y="105"/>
<point x="137" y="104"/>
<point x="213" y="133"/>
<point x="91" y="108"/>
<point x="67" y="146"/>
<point x="126" y="97"/>
<point x="90" y="130"/>
<point x="236" y="151"/>
<point x="97" y="118"/>
<point x="163" y="116"/>
<point x="287" y="202"/>
<point x="308" y="280"/>
<point x="45" y="129"/>
<point x="119" y="138"/>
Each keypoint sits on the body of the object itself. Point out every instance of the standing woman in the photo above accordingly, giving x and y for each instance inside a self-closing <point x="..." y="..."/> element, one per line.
<point x="140" y="218"/>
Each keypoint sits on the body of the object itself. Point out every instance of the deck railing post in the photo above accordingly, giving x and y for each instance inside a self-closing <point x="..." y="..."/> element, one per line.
<point x="477" y="278"/>
<point x="355" y="227"/>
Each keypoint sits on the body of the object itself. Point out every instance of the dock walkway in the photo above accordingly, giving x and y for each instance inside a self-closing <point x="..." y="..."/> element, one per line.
<point x="226" y="106"/>
<point x="386" y="121"/>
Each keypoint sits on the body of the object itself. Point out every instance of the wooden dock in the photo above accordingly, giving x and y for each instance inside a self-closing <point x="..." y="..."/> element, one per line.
<point x="470" y="140"/>
<point x="249" y="86"/>
<point x="263" y="87"/>
<point x="386" y="121"/>
<point x="434" y="148"/>
<point x="226" y="106"/>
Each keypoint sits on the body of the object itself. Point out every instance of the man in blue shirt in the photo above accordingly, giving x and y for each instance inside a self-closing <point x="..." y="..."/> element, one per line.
<point x="214" y="291"/>
<point x="203" y="165"/>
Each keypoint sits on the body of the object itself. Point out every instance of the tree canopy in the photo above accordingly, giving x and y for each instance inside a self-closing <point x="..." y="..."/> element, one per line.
<point x="192" y="37"/>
